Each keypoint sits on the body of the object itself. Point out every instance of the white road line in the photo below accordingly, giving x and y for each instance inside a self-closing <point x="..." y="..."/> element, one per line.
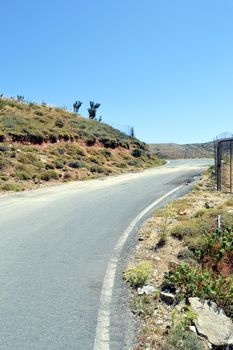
<point x="102" y="336"/>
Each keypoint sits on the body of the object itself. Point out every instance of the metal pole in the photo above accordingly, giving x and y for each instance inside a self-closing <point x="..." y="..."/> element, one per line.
<point x="231" y="166"/>
<point x="219" y="159"/>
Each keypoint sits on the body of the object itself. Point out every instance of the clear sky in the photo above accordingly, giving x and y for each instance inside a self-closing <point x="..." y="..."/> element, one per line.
<point x="162" y="66"/>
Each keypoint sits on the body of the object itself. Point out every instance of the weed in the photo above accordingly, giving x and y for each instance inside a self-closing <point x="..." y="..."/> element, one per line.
<point x="143" y="305"/>
<point x="137" y="275"/>
<point x="12" y="186"/>
<point x="199" y="282"/>
<point x="168" y="215"/>
<point x="180" y="339"/>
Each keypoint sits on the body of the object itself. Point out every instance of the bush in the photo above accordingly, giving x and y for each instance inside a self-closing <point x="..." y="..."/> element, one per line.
<point x="59" y="164"/>
<point x="137" y="275"/>
<point x="137" y="153"/>
<point x="180" y="339"/>
<point x="24" y="175"/>
<point x="3" y="148"/>
<point x="124" y="144"/>
<point x="108" y="142"/>
<point x="97" y="169"/>
<point x="195" y="281"/>
<point x="106" y="153"/>
<point x="48" y="175"/>
<point x="76" y="165"/>
<point x="36" y="137"/>
<point x="49" y="166"/>
<point x="133" y="162"/>
<point x="59" y="123"/>
<point x="143" y="306"/>
<point x="11" y="186"/>
<point x="185" y="229"/>
<point x="53" y="137"/>
<point x="90" y="141"/>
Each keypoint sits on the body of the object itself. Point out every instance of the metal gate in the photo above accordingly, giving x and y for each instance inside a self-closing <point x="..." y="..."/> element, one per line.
<point x="224" y="164"/>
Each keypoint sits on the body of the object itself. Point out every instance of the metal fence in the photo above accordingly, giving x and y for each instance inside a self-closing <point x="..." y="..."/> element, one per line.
<point x="224" y="164"/>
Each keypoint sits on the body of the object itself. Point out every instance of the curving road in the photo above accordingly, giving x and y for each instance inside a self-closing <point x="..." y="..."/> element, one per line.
<point x="56" y="248"/>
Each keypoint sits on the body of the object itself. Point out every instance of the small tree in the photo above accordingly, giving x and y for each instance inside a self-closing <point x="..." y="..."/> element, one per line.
<point x="76" y="106"/>
<point x="20" y="98"/>
<point x="93" y="109"/>
<point x="132" y="134"/>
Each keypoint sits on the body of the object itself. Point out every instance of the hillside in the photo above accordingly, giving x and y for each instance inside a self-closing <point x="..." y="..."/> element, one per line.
<point x="176" y="151"/>
<point x="41" y="144"/>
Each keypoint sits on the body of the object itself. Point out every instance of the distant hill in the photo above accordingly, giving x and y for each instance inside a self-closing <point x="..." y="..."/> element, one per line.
<point x="176" y="151"/>
<point x="41" y="144"/>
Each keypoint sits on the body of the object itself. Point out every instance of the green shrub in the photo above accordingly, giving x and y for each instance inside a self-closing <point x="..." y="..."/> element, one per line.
<point x="106" y="153"/>
<point x="180" y="339"/>
<point x="137" y="153"/>
<point x="3" y="163"/>
<point x="185" y="229"/>
<point x="4" y="148"/>
<point x="23" y="175"/>
<point x="76" y="165"/>
<point x="48" y="175"/>
<point x="216" y="244"/>
<point x="12" y="186"/>
<point x="108" y="142"/>
<point x="133" y="162"/>
<point x="195" y="281"/>
<point x="59" y="123"/>
<point x="124" y="144"/>
<point x="137" y="275"/>
<point x="59" y="164"/>
<point x="90" y="141"/>
<point x="97" y="169"/>
<point x="143" y="305"/>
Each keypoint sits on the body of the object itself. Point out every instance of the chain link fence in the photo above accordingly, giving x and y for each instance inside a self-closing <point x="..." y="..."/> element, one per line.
<point x="224" y="164"/>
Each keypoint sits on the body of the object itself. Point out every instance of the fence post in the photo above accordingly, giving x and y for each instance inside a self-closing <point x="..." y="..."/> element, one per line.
<point x="219" y="158"/>
<point x="231" y="166"/>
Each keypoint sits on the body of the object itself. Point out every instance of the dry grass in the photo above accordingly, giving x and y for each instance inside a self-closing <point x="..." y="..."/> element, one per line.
<point x="188" y="212"/>
<point x="41" y="144"/>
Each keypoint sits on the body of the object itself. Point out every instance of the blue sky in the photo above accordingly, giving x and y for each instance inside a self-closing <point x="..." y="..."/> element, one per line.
<point x="162" y="66"/>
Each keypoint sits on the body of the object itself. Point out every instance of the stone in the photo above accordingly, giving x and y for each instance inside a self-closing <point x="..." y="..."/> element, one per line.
<point x="157" y="258"/>
<point x="209" y="205"/>
<point x="183" y="212"/>
<point x="146" y="290"/>
<point x="212" y="323"/>
<point x="168" y="298"/>
<point x="193" y="329"/>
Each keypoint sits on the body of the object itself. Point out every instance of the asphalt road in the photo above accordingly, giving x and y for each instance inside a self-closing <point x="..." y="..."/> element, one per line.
<point x="56" y="244"/>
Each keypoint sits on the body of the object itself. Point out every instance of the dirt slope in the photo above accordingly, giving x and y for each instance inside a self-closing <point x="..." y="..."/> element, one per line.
<point x="41" y="144"/>
<point x="176" y="151"/>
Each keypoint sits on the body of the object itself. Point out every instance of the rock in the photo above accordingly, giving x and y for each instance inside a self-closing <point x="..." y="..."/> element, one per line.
<point x="168" y="298"/>
<point x="193" y="329"/>
<point x="183" y="212"/>
<point x="146" y="290"/>
<point x="212" y="323"/>
<point x="209" y="205"/>
<point x="157" y="258"/>
<point x="140" y="239"/>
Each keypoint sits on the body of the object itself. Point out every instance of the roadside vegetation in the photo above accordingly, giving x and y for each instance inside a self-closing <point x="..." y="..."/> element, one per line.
<point x="189" y="247"/>
<point x="41" y="144"/>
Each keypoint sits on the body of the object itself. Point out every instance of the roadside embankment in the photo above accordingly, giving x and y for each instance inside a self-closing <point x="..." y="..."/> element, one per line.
<point x="181" y="275"/>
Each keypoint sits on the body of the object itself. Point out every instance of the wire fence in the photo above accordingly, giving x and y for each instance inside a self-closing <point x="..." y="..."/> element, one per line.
<point x="224" y="164"/>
